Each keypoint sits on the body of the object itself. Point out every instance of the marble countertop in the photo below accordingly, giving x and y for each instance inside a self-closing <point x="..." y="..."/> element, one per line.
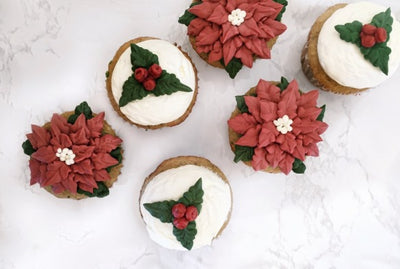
<point x="343" y="213"/>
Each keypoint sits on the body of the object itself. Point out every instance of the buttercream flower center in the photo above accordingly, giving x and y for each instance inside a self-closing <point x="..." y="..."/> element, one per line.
<point x="283" y="125"/>
<point x="236" y="17"/>
<point x="66" y="155"/>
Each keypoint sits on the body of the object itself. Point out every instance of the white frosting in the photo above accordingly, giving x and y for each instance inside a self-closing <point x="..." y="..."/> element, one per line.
<point x="171" y="184"/>
<point x="343" y="61"/>
<point x="236" y="17"/>
<point x="153" y="110"/>
<point x="66" y="155"/>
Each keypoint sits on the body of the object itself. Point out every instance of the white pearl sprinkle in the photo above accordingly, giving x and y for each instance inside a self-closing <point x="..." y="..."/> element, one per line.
<point x="283" y="125"/>
<point x="66" y="155"/>
<point x="236" y="17"/>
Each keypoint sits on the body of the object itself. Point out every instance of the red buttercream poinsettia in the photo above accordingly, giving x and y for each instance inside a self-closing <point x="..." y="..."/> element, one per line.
<point x="90" y="147"/>
<point x="274" y="148"/>
<point x="226" y="37"/>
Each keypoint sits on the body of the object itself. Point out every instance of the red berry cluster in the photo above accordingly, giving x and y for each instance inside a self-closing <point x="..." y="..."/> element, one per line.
<point x="183" y="215"/>
<point x="148" y="76"/>
<point x="370" y="35"/>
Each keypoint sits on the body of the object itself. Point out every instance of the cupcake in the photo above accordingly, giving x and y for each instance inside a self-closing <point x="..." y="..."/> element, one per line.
<point x="275" y="126"/>
<point x="152" y="83"/>
<point x="75" y="155"/>
<point x="352" y="47"/>
<point x="229" y="34"/>
<point x="185" y="203"/>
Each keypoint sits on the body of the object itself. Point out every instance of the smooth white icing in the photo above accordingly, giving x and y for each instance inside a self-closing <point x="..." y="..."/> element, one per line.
<point x="153" y="110"/>
<point x="171" y="184"/>
<point x="343" y="61"/>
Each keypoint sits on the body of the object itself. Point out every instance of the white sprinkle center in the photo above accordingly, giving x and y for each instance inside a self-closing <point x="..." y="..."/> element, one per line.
<point x="236" y="17"/>
<point x="66" y="155"/>
<point x="283" y="125"/>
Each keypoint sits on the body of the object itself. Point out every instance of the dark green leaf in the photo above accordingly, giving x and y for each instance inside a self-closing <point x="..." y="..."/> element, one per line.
<point x="28" y="148"/>
<point x="107" y="74"/>
<point x="284" y="3"/>
<point x="385" y="20"/>
<point x="141" y="57"/>
<point x="243" y="153"/>
<point x="233" y="67"/>
<point x="168" y="84"/>
<point x="187" y="17"/>
<point x="194" y="196"/>
<point x="350" y="32"/>
<point x="72" y="118"/>
<point x="298" y="167"/>
<point x="161" y="210"/>
<point x="241" y="104"/>
<point x="187" y="235"/>
<point x="322" y="114"/>
<point x="85" y="109"/>
<point x="283" y="84"/>
<point x="132" y="90"/>
<point x="378" y="55"/>
<point x="101" y="191"/>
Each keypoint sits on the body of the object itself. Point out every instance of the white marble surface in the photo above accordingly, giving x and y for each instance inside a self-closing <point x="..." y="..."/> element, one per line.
<point x="343" y="213"/>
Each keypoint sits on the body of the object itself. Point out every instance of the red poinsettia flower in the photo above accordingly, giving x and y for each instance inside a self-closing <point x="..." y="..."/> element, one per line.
<point x="235" y="28"/>
<point x="281" y="126"/>
<point x="69" y="156"/>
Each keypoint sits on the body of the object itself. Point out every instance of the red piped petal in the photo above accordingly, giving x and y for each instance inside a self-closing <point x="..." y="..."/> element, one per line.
<point x="259" y="161"/>
<point x="84" y="167"/>
<point x="56" y="173"/>
<point x="241" y="123"/>
<point x="95" y="125"/>
<point x="82" y="152"/>
<point x="45" y="154"/>
<point x="101" y="175"/>
<point x="103" y="160"/>
<point x="250" y="138"/>
<point x="39" y="137"/>
<point x="106" y="143"/>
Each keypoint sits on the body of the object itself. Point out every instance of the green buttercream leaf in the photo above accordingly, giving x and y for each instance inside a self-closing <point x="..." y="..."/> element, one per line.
<point x="194" y="196"/>
<point x="350" y="32"/>
<point x="385" y="20"/>
<point x="298" y="167"/>
<point x="101" y="191"/>
<point x="168" y="84"/>
<point x="187" y="235"/>
<point x="241" y="104"/>
<point x="284" y="3"/>
<point x="322" y="114"/>
<point x="28" y="148"/>
<point x="283" y="84"/>
<point x="187" y="17"/>
<point x="141" y="57"/>
<point x="132" y="90"/>
<point x="233" y="67"/>
<point x="243" y="153"/>
<point x="72" y="118"/>
<point x="107" y="74"/>
<point x="161" y="210"/>
<point x="378" y="55"/>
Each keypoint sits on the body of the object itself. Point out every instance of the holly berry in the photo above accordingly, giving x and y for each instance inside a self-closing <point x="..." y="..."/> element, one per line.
<point x="368" y="41"/>
<point x="380" y="35"/>
<point x="191" y="213"/>
<point x="149" y="84"/>
<point x="180" y="223"/>
<point x="178" y="210"/>
<point x="368" y="29"/>
<point x="155" y="71"/>
<point x="141" y="74"/>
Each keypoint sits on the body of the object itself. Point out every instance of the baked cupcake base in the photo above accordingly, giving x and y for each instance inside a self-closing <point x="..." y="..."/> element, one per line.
<point x="114" y="102"/>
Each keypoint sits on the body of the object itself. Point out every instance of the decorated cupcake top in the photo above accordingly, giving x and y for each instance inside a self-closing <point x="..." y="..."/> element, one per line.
<point x="278" y="126"/>
<point x="185" y="207"/>
<point x="359" y="45"/>
<point x="152" y="82"/>
<point x="234" y="32"/>
<point x="74" y="154"/>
